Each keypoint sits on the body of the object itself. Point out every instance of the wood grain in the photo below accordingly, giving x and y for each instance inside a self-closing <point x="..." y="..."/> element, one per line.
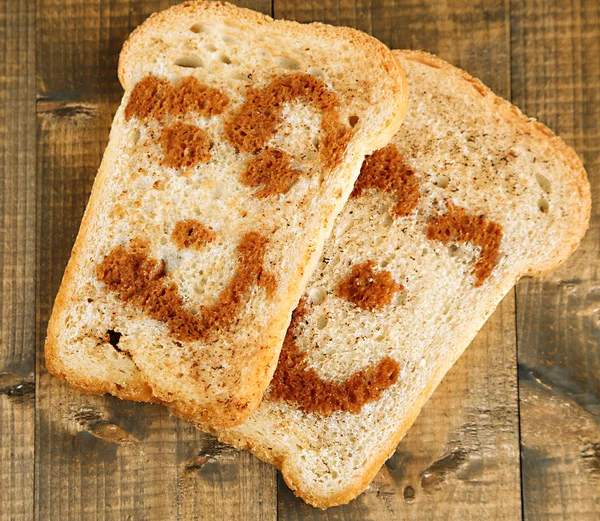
<point x="99" y="457"/>
<point x="462" y="454"/>
<point x="17" y="251"/>
<point x="556" y="77"/>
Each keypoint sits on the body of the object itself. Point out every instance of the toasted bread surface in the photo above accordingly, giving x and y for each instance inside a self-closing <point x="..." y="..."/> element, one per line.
<point x="236" y="144"/>
<point x="469" y="196"/>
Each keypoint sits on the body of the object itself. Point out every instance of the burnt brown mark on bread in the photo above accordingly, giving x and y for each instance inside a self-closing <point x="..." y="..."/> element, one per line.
<point x="156" y="98"/>
<point x="255" y="122"/>
<point x="368" y="289"/>
<point x="184" y="145"/>
<point x="192" y="234"/>
<point x="272" y="171"/>
<point x="296" y="383"/>
<point x="142" y="281"/>
<point x="385" y="170"/>
<point x="457" y="226"/>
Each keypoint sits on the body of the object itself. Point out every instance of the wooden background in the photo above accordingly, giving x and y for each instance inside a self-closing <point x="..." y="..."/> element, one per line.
<point x="513" y="431"/>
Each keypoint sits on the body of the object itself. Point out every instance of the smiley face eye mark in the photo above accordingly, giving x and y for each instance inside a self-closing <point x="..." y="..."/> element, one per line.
<point x="255" y="122"/>
<point x="385" y="170"/>
<point x="156" y="98"/>
<point x="298" y="384"/>
<point x="458" y="226"/>
<point x="192" y="234"/>
<point x="368" y="289"/>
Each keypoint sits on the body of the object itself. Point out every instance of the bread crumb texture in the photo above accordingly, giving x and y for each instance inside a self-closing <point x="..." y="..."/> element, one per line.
<point x="236" y="144"/>
<point x="469" y="196"/>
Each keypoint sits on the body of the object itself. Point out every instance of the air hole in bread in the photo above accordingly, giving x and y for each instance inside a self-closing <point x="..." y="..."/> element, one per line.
<point x="379" y="241"/>
<point x="240" y="77"/>
<point x="230" y="39"/>
<point x="198" y="28"/>
<point x="387" y="220"/>
<point x="353" y="120"/>
<point x="217" y="192"/>
<point x="225" y="59"/>
<point x="189" y="62"/>
<point x="384" y="263"/>
<point x="210" y="47"/>
<point x="543" y="205"/>
<point x="440" y="180"/>
<point x="136" y="135"/>
<point x="113" y="338"/>
<point x="309" y="156"/>
<point x="453" y="250"/>
<point x="322" y="322"/>
<point x="409" y="494"/>
<point x="344" y="227"/>
<point x="400" y="298"/>
<point x="288" y="63"/>
<point x="315" y="71"/>
<point x="317" y="296"/>
<point x="544" y="183"/>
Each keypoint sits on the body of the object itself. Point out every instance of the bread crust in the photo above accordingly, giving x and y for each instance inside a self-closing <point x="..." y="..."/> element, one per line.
<point x="238" y="408"/>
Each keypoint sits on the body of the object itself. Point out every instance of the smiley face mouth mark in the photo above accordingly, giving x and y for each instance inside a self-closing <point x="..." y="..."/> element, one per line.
<point x="142" y="281"/>
<point x="298" y="384"/>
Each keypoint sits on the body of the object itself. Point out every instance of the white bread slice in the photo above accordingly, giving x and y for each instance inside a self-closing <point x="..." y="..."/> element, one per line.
<point x="236" y="144"/>
<point x="467" y="149"/>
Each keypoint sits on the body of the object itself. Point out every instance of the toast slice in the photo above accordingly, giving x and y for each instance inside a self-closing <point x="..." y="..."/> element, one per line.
<point x="237" y="142"/>
<point x="469" y="196"/>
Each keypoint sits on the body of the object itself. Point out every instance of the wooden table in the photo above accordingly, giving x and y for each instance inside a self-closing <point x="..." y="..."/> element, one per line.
<point x="513" y="431"/>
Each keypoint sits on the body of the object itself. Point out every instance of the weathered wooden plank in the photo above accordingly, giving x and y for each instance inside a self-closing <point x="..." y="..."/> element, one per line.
<point x="98" y="457"/>
<point x="556" y="77"/>
<point x="461" y="458"/>
<point x="17" y="253"/>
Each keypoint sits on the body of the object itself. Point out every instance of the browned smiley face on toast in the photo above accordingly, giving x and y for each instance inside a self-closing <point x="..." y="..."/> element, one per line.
<point x="371" y="288"/>
<point x="142" y="281"/>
